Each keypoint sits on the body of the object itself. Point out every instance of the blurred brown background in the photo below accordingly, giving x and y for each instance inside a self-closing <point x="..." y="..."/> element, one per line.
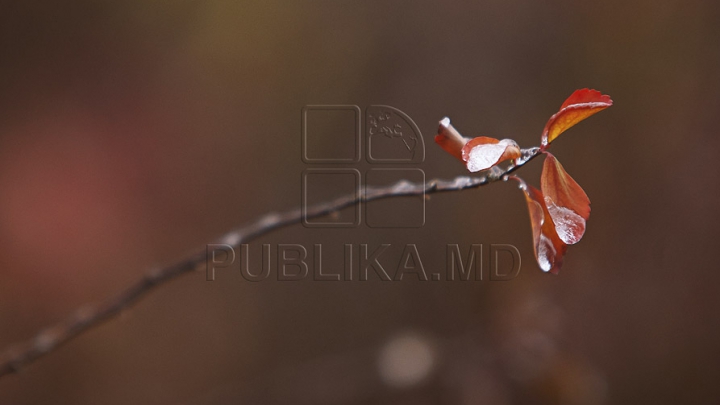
<point x="134" y="132"/>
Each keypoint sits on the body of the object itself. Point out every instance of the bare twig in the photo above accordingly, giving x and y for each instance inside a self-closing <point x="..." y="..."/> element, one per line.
<point x="89" y="317"/>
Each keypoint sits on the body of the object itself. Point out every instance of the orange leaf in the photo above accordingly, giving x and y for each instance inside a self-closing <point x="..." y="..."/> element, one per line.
<point x="549" y="249"/>
<point x="483" y="153"/>
<point x="450" y="139"/>
<point x="565" y="200"/>
<point x="580" y="105"/>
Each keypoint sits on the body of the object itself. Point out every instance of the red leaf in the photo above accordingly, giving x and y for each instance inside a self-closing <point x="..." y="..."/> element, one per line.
<point x="549" y="249"/>
<point x="565" y="200"/>
<point x="483" y="153"/>
<point x="580" y="105"/>
<point x="450" y="139"/>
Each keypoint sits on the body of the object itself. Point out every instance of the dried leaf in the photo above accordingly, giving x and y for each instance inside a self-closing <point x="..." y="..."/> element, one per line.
<point x="549" y="249"/>
<point x="482" y="153"/>
<point x="450" y="139"/>
<point x="580" y="105"/>
<point x="565" y="200"/>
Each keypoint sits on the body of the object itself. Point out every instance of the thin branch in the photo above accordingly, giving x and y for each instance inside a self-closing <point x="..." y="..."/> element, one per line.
<point x="90" y="317"/>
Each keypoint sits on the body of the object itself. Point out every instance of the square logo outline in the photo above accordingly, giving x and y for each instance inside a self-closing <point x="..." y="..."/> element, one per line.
<point x="424" y="210"/>
<point x="358" y="196"/>
<point x="330" y="107"/>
